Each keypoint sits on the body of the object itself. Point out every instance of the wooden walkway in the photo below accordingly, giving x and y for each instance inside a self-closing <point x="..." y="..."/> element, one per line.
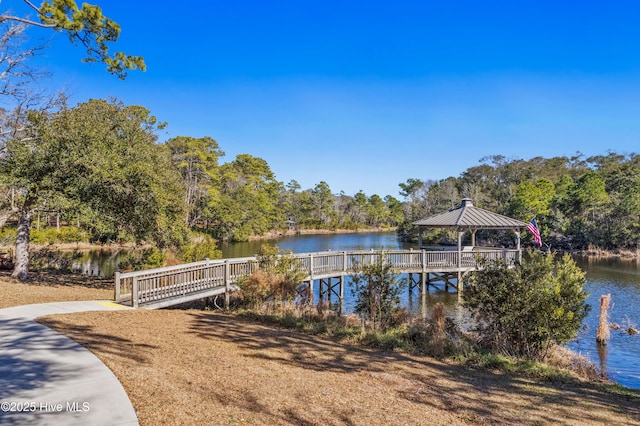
<point x="163" y="287"/>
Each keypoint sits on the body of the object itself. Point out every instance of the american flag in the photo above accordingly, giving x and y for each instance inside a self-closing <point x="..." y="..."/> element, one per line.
<point x="533" y="228"/>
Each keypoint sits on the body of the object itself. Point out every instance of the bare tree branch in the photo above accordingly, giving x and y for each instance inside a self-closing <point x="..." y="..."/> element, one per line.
<point x="4" y="18"/>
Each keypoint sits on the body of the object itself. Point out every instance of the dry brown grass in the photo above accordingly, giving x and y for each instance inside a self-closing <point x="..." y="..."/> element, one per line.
<point x="47" y="287"/>
<point x="195" y="367"/>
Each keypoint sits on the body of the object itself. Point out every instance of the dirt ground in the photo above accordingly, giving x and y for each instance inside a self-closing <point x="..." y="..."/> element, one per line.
<point x="196" y="367"/>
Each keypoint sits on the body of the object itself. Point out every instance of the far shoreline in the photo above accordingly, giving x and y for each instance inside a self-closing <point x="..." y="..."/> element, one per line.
<point x="273" y="235"/>
<point x="592" y="252"/>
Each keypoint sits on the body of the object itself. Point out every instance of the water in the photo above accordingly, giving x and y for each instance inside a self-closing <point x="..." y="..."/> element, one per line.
<point x="99" y="262"/>
<point x="620" y="359"/>
<point x="314" y="243"/>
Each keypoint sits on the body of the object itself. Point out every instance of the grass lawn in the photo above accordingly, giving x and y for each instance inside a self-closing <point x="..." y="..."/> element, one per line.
<point x="197" y="367"/>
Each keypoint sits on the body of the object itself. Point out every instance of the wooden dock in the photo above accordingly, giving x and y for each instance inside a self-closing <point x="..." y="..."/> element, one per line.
<point x="173" y="285"/>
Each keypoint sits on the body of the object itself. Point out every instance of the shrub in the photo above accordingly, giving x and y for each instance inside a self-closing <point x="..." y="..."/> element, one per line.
<point x="277" y="279"/>
<point x="145" y="259"/>
<point x="377" y="290"/>
<point x="439" y="336"/>
<point x="200" y="248"/>
<point x="71" y="234"/>
<point x="38" y="236"/>
<point x="522" y="311"/>
<point x="7" y="236"/>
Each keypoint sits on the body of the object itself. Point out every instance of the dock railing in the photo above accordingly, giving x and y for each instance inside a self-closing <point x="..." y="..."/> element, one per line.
<point x="154" y="285"/>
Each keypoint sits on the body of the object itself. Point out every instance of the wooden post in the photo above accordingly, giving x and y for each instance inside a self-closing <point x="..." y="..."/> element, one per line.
<point x="344" y="262"/>
<point x="207" y="274"/>
<point x="134" y="293"/>
<point x="341" y="308"/>
<point x="227" y="278"/>
<point x="116" y="288"/>
<point x="311" y="295"/>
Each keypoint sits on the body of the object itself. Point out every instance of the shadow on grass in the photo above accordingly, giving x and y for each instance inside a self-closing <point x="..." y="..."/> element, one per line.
<point x="45" y="277"/>
<point x="100" y="343"/>
<point x="474" y="395"/>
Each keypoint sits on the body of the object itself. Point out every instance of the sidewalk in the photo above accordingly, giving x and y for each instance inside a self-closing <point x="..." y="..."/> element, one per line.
<point x="48" y="379"/>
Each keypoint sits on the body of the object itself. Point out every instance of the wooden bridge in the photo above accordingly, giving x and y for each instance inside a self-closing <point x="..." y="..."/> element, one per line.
<point x="163" y="287"/>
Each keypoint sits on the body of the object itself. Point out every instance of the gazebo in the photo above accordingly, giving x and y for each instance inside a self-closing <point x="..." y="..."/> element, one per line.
<point x="468" y="218"/>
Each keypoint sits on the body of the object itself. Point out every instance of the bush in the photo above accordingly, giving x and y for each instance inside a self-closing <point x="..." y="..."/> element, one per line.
<point x="39" y="236"/>
<point x="201" y="247"/>
<point x="8" y="236"/>
<point x="71" y="234"/>
<point x="377" y="290"/>
<point x="522" y="311"/>
<point x="277" y="279"/>
<point x="139" y="260"/>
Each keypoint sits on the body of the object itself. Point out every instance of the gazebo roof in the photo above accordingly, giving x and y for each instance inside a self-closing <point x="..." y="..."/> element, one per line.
<point x="467" y="216"/>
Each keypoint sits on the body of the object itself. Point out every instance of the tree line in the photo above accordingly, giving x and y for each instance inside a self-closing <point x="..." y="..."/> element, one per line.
<point x="98" y="167"/>
<point x="578" y="202"/>
<point x="242" y="198"/>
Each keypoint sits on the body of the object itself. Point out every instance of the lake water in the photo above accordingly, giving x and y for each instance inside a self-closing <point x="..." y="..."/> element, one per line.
<point x="620" y="358"/>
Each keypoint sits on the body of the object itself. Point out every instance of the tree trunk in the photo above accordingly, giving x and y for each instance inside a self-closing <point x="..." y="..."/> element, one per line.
<point x="21" y="259"/>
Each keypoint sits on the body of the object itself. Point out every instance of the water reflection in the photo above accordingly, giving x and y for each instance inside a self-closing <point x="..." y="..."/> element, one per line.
<point x="99" y="262"/>
<point x="602" y="355"/>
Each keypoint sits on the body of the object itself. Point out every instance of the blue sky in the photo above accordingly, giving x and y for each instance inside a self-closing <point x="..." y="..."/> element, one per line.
<point x="365" y="95"/>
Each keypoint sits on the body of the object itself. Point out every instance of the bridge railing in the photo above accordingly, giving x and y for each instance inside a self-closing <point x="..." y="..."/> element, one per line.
<point x="150" y="285"/>
<point x="174" y="281"/>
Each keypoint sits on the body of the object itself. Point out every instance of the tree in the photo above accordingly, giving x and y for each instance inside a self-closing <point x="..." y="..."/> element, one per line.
<point x="197" y="161"/>
<point x="102" y="157"/>
<point x="324" y="204"/>
<point x="533" y="200"/>
<point x="522" y="311"/>
<point x="249" y="196"/>
<point x="376" y="210"/>
<point x="394" y="207"/>
<point x="358" y="208"/>
<point x="86" y="25"/>
<point x="409" y="188"/>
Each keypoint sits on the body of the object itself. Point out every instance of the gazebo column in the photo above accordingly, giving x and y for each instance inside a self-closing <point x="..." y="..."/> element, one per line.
<point x="460" y="234"/>
<point x="419" y="237"/>
<point x="473" y="237"/>
<point x="518" y="245"/>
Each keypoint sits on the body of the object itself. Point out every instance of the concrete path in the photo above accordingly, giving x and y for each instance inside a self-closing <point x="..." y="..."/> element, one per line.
<point x="48" y="379"/>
